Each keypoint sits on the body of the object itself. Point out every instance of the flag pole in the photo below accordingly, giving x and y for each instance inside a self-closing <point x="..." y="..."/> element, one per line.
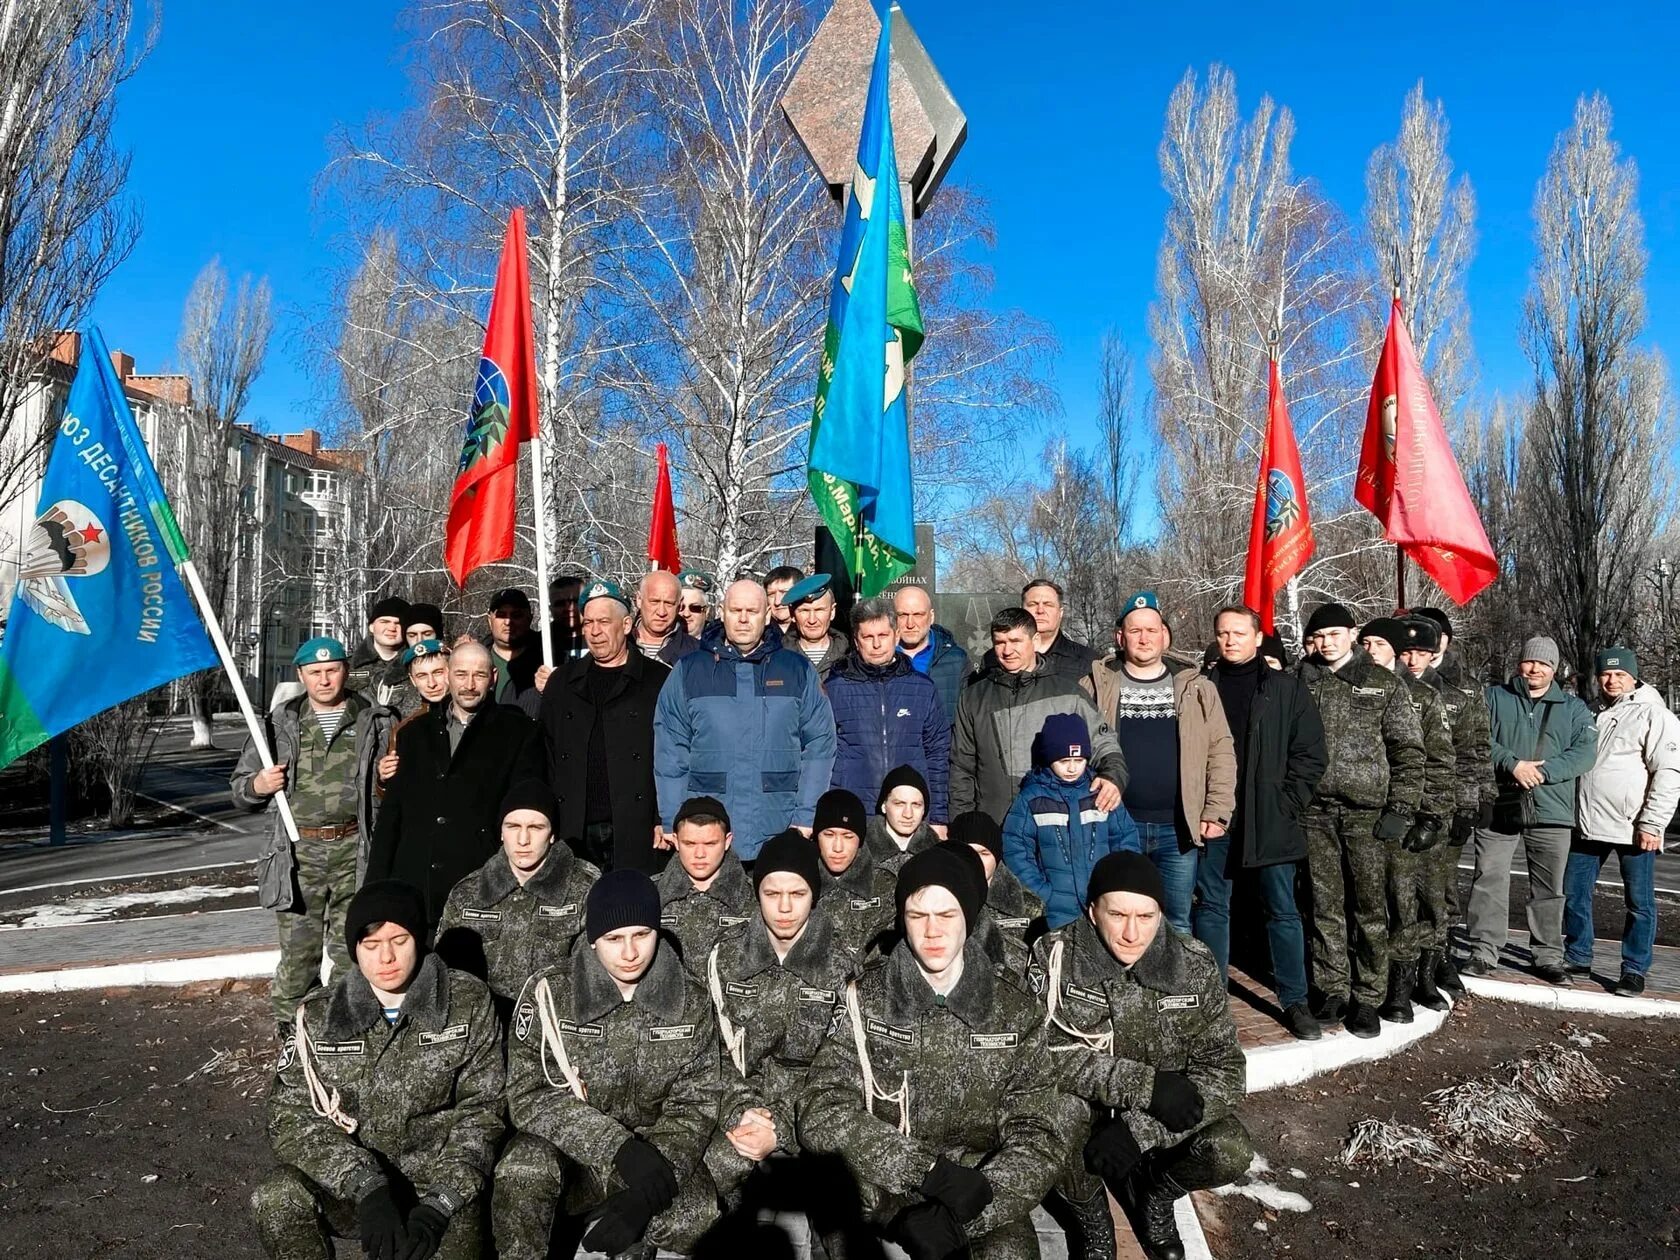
<point x="253" y="727"/>
<point x="1399" y="552"/>
<point x="539" y="500"/>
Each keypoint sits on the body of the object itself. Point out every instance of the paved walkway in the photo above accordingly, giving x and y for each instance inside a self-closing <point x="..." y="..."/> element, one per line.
<point x="1516" y="959"/>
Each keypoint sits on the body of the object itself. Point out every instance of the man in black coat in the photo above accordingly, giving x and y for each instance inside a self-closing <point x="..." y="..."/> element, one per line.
<point x="440" y="819"/>
<point x="597" y="727"/>
<point x="1280" y="759"/>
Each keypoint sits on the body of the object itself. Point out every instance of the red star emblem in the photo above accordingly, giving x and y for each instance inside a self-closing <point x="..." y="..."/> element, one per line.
<point x="91" y="532"/>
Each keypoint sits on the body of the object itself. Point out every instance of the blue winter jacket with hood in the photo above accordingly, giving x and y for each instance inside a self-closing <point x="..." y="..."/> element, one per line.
<point x="1054" y="835"/>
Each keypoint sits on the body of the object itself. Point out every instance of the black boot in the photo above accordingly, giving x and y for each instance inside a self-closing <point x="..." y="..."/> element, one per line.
<point x="1446" y="975"/>
<point x="1089" y="1227"/>
<point x="1159" y="1226"/>
<point x="1361" y="1020"/>
<point x="1397" y="1006"/>
<point x="1428" y="993"/>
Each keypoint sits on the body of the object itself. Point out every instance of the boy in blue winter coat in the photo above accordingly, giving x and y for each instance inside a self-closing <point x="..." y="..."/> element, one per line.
<point x="1054" y="833"/>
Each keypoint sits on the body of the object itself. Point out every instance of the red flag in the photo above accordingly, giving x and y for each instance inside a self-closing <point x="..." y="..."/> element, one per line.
<point x="1409" y="478"/>
<point x="662" y="528"/>
<point x="504" y="414"/>
<point x="1280" y="538"/>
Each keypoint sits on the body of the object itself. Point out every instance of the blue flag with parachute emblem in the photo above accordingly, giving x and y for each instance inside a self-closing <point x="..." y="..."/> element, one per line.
<point x="859" y="474"/>
<point x="99" y="614"/>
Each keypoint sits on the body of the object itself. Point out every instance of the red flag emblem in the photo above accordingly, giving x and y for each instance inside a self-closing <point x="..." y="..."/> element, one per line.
<point x="1280" y="536"/>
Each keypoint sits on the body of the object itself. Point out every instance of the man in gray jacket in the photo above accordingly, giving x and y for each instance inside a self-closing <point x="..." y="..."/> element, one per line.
<point x="1623" y="807"/>
<point x="1543" y="741"/>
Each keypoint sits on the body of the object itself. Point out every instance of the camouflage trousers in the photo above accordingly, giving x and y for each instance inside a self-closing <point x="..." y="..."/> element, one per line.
<point x="534" y="1182"/>
<point x="297" y="1219"/>
<point x="326" y="879"/>
<point x="1438" y="888"/>
<point x="1348" y="870"/>
<point x="1214" y="1155"/>
<point x="1409" y="876"/>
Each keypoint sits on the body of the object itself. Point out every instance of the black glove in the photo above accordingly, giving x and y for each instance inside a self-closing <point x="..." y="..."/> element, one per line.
<point x="927" y="1231"/>
<point x="646" y="1170"/>
<point x="1423" y="835"/>
<point x="621" y="1224"/>
<point x="964" y="1190"/>
<point x="1391" y="826"/>
<point x="1175" y="1101"/>
<point x="380" y="1226"/>
<point x="1484" y="815"/>
<point x="425" y="1232"/>
<point x="1111" y="1152"/>
<point x="1463" y="824"/>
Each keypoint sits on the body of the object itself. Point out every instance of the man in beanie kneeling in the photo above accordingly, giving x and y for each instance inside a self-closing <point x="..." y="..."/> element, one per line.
<point x="613" y="1087"/>
<point x="1015" y="914"/>
<point x="706" y="889"/>
<point x="858" y="887"/>
<point x="900" y="826"/>
<point x="935" y="1084"/>
<point x="521" y="910"/>
<point x="387" y="1104"/>
<point x="1141" y="1030"/>
<point x="774" y="983"/>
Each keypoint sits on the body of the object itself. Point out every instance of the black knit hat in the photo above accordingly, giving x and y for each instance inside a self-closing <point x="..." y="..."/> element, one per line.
<point x="531" y="794"/>
<point x="839" y="808"/>
<point x="1330" y="617"/>
<point x="951" y="866"/>
<point x="977" y="827"/>
<point x="901" y="776"/>
<point x="1419" y="632"/>
<point x="789" y="851"/>
<point x="702" y="807"/>
<point x="1125" y="872"/>
<point x="1438" y="617"/>
<point x="1271" y="645"/>
<point x="619" y="899"/>
<point x="1391" y="630"/>
<point x="385" y="901"/>
<point x="390" y="606"/>
<point x="424" y="615"/>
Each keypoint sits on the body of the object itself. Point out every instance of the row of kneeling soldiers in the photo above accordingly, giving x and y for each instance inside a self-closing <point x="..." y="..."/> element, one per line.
<point x="632" y="1079"/>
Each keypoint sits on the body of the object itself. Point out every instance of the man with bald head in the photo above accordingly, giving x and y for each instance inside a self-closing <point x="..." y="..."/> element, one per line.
<point x="929" y="647"/>
<point x="660" y="634"/>
<point x="440" y="818"/>
<point x="744" y="720"/>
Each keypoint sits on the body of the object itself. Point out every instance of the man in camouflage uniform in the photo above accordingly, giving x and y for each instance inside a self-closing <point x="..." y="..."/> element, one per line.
<point x="326" y="744"/>
<point x="426" y="663"/>
<point x="1013" y="915"/>
<point x="1142" y="1031"/>
<point x="1363" y="806"/>
<point x="376" y="668"/>
<point x="613" y="1086"/>
<point x="521" y="910"/>
<point x="859" y="890"/>
<point x="705" y="890"/>
<point x="935" y="1083"/>
<point x="387" y="1105"/>
<point x="1425" y="656"/>
<point x="1412" y="864"/>
<point x="774" y="983"/>
<point x="900" y="827"/>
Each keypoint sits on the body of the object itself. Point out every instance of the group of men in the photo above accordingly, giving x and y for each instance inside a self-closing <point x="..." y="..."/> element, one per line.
<point x="762" y="914"/>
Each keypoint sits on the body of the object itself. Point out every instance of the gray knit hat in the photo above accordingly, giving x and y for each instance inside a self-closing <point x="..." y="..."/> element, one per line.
<point x="1543" y="649"/>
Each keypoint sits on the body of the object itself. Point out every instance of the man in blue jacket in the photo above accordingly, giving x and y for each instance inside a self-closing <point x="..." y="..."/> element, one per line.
<point x="886" y="715"/>
<point x="1543" y="741"/>
<point x="744" y="720"/>
<point x="929" y="647"/>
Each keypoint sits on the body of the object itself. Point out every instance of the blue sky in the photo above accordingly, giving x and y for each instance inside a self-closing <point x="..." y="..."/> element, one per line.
<point x="230" y="122"/>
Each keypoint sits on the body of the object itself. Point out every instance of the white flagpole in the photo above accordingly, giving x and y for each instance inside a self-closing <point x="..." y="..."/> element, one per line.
<point x="252" y="725"/>
<point x="539" y="500"/>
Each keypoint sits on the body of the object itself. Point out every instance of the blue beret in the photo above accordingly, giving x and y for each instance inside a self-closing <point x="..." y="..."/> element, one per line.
<point x="319" y="651"/>
<point x="603" y="588"/>
<point x="1143" y="599"/>
<point x="813" y="587"/>
<point x="424" y="648"/>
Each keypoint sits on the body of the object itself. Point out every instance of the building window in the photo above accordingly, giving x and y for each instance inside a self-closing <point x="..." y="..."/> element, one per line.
<point x="321" y="482"/>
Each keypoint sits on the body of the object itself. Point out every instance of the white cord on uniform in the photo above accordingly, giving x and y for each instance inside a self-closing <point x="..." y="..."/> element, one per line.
<point x="734" y="1039"/>
<point x="901" y="1095"/>
<point x="549" y="1037"/>
<point x="321" y="1102"/>
<point x="1102" y="1043"/>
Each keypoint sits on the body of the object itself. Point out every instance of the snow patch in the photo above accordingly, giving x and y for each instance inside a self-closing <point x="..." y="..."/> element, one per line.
<point x="1267" y="1195"/>
<point x="98" y="909"/>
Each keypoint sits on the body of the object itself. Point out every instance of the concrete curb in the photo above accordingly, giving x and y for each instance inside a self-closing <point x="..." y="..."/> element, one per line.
<point x="1580" y="1001"/>
<point x="250" y="964"/>
<point x="1273" y="1067"/>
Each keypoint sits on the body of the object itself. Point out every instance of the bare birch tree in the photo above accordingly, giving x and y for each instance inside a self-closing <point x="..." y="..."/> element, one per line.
<point x="65" y="221"/>
<point x="1600" y="427"/>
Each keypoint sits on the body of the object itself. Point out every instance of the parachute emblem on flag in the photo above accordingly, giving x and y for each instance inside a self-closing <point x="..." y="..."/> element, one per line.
<point x="1390" y="424"/>
<point x="1283" y="509"/>
<point x="492" y="403"/>
<point x="67" y="541"/>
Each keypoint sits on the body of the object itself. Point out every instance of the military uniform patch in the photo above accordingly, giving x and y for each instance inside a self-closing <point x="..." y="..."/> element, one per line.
<point x="580" y="1030"/>
<point x="903" y="1036"/>
<point x="1010" y="923"/>
<point x="736" y="988"/>
<point x="288" y="1052"/>
<point x="730" y="920"/>
<point x="993" y="1041"/>
<point x="807" y="994"/>
<point x="474" y="915"/>
<point x="340" y="1047"/>
<point x="668" y="918"/>
<point x="522" y="1020"/>
<point x="859" y="903"/>
<point x="671" y="1032"/>
<point x="1180" y="1002"/>
<point x="1091" y="997"/>
<point x="557" y="912"/>
<point x="455" y="1032"/>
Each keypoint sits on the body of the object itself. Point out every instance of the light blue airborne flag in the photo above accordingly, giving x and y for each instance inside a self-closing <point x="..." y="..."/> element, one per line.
<point x="860" y="440"/>
<point x="99" y="614"/>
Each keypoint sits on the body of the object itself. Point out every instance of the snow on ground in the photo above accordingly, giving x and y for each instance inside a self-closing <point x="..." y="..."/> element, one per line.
<point x="1264" y="1192"/>
<point x="96" y="909"/>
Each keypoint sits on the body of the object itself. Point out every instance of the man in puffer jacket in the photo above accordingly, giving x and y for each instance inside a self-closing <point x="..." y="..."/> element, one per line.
<point x="1623" y="806"/>
<point x="886" y="715"/>
<point x="1055" y="833"/>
